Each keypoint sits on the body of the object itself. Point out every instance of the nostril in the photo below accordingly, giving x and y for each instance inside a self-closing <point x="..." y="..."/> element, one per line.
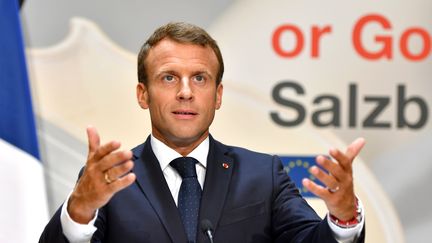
<point x="185" y="95"/>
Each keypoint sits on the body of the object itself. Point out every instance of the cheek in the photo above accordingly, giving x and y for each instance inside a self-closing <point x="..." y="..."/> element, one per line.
<point x="158" y="104"/>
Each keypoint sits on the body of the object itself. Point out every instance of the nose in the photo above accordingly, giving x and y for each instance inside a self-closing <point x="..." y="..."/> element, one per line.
<point x="185" y="91"/>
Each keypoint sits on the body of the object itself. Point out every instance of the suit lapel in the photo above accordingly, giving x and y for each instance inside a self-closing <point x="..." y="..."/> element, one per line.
<point x="151" y="181"/>
<point x="218" y="177"/>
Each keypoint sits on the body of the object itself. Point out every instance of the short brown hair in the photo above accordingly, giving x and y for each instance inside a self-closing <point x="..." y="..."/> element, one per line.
<point x="182" y="33"/>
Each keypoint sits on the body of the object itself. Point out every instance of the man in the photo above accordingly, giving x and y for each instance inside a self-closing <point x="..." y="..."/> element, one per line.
<point x="145" y="195"/>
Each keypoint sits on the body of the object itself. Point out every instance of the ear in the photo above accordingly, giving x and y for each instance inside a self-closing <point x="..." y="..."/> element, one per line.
<point x="142" y="95"/>
<point x="219" y="92"/>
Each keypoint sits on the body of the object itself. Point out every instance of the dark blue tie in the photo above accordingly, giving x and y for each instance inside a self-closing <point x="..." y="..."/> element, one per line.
<point x="189" y="196"/>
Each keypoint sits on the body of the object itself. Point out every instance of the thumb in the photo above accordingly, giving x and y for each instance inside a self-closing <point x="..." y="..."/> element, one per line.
<point x="93" y="139"/>
<point x="355" y="147"/>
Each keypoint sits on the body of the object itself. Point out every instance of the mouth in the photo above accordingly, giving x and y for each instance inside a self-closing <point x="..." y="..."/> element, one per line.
<point x="184" y="114"/>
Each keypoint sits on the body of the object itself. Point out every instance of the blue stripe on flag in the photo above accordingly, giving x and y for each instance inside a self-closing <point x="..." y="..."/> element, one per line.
<point x="297" y="168"/>
<point x="17" y="124"/>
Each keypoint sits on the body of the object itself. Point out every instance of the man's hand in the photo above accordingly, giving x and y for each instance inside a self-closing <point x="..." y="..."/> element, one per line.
<point x="107" y="171"/>
<point x="339" y="192"/>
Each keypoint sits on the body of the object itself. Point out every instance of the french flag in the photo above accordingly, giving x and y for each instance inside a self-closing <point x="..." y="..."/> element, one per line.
<point x="23" y="198"/>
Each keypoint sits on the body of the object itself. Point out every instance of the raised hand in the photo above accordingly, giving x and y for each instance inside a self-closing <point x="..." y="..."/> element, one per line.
<point x="107" y="171"/>
<point x="339" y="191"/>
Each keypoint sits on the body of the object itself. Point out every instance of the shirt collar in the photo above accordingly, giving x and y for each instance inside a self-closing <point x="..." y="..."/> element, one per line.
<point x="165" y="154"/>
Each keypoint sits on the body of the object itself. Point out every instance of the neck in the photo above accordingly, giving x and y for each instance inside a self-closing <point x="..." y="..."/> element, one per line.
<point x="182" y="146"/>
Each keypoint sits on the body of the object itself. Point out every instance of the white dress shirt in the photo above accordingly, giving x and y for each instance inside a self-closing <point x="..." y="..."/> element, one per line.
<point x="165" y="155"/>
<point x="80" y="233"/>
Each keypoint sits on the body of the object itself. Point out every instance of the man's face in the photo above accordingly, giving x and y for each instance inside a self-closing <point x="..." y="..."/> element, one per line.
<point x="181" y="92"/>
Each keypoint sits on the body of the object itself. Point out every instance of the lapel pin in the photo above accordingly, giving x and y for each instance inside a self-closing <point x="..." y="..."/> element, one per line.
<point x="225" y="165"/>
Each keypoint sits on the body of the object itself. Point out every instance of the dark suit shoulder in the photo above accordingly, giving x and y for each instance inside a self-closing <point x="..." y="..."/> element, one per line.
<point x="137" y="151"/>
<point x="241" y="151"/>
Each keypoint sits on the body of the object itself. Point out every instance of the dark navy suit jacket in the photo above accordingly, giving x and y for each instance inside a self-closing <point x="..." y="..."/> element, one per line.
<point x="250" y="200"/>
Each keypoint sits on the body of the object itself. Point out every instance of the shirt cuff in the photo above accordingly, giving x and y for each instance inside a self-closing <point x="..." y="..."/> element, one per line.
<point x="345" y="235"/>
<point x="73" y="231"/>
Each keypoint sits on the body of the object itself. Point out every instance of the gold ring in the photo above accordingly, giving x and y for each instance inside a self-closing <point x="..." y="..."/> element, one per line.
<point x="333" y="190"/>
<point x="107" y="179"/>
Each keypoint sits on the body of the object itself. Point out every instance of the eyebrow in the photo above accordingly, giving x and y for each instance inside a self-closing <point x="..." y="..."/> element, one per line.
<point x="203" y="72"/>
<point x="173" y="72"/>
<point x="168" y="71"/>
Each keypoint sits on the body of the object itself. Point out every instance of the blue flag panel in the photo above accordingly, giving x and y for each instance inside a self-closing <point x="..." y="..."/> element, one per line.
<point x="17" y="124"/>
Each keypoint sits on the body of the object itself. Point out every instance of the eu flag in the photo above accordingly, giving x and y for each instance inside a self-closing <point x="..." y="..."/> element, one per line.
<point x="297" y="168"/>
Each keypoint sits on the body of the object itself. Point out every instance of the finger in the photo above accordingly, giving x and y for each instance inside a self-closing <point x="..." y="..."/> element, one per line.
<point x="120" y="170"/>
<point x="122" y="182"/>
<point x="325" y="178"/>
<point x="342" y="159"/>
<point x="106" y="149"/>
<point x="354" y="148"/>
<point x="346" y="159"/>
<point x="113" y="159"/>
<point x="332" y="167"/>
<point x="316" y="189"/>
<point x="93" y="139"/>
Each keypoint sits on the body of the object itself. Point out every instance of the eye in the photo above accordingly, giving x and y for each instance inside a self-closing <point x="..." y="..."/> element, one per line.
<point x="168" y="78"/>
<point x="199" y="78"/>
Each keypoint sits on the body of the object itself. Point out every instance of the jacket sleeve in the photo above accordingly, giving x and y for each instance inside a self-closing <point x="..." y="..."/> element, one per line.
<point x="53" y="231"/>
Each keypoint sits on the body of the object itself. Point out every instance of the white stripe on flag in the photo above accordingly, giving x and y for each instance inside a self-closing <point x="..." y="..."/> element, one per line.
<point x="23" y="203"/>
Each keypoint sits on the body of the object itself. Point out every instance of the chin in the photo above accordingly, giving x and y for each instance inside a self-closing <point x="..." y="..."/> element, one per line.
<point x="188" y="138"/>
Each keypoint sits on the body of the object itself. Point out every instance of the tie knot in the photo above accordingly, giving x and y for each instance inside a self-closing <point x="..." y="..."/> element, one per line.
<point x="185" y="166"/>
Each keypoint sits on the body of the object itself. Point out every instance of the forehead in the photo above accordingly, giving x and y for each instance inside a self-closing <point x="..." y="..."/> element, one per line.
<point x="168" y="53"/>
